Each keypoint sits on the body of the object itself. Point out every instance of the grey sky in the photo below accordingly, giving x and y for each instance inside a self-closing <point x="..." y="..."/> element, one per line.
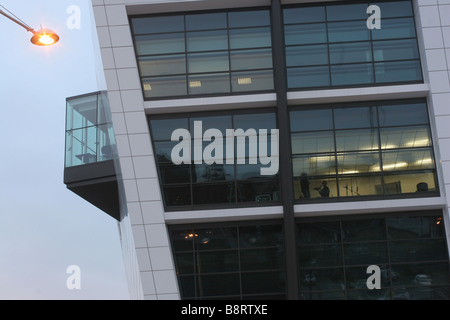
<point x="44" y="227"/>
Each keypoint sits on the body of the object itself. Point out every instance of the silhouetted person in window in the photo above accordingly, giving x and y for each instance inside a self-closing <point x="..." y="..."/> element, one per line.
<point x="324" y="191"/>
<point x="304" y="186"/>
<point x="422" y="187"/>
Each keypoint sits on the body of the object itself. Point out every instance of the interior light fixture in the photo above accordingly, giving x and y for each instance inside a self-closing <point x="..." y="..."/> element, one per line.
<point x="242" y="81"/>
<point x="195" y="84"/>
<point x="43" y="37"/>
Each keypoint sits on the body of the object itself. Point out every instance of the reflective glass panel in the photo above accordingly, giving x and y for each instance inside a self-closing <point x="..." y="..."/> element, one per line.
<point x="308" y="77"/>
<point x="311" y="120"/>
<point x="305" y="34"/>
<point x="351" y="74"/>
<point x="306" y="55"/>
<point x="160" y="43"/>
<point x="240" y="19"/>
<point x="207" y="40"/>
<point x="164" y="86"/>
<point x="304" y="15"/>
<point x="206" y="21"/>
<point x="250" y="38"/>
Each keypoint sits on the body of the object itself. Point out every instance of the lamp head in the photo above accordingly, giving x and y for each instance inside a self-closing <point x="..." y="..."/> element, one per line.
<point x="44" y="37"/>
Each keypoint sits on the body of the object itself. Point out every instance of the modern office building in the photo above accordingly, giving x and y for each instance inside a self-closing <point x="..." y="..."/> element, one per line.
<point x="271" y="149"/>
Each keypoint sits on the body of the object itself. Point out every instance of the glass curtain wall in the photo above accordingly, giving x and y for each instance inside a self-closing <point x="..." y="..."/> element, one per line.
<point x="332" y="46"/>
<point x="204" y="53"/>
<point x="362" y="149"/>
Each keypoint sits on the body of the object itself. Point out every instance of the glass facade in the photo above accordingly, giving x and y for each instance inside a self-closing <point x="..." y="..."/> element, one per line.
<point x="246" y="260"/>
<point x="332" y="46"/>
<point x="204" y="53"/>
<point x="410" y="250"/>
<point x="89" y="135"/>
<point x="230" y="261"/>
<point x="362" y="149"/>
<point x="222" y="176"/>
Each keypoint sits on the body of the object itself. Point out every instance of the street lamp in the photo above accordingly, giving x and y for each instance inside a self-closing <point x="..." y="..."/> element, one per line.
<point x="43" y="37"/>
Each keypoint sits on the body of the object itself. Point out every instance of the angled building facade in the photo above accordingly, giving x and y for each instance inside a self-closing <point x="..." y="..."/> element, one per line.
<point x="260" y="149"/>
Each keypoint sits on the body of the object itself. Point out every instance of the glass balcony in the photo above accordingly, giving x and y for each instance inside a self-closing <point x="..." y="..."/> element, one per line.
<point x="89" y="134"/>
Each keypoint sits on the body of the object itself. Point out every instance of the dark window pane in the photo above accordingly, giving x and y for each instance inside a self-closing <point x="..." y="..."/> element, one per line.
<point x="185" y="263"/>
<point x="160" y="43"/>
<point x="209" y="83"/>
<point x="316" y="233"/>
<point x="398" y="71"/>
<point x="221" y="123"/>
<point x="319" y="256"/>
<point x="394" y="29"/>
<point x="306" y="55"/>
<point x="258" y="191"/>
<point x="351" y="74"/>
<point x="163" y="129"/>
<point x="418" y="250"/>
<point x="213" y="193"/>
<point x="177" y="195"/>
<point x="206" y="21"/>
<point x="404" y="114"/>
<point x="208" y="62"/>
<point x="164" y="86"/>
<point x="218" y="238"/>
<point x="217" y="261"/>
<point x="212" y="172"/>
<point x="395" y="50"/>
<point x="250" y="38"/>
<point x="263" y="282"/>
<point x="163" y="151"/>
<point x="252" y="81"/>
<point x="218" y="285"/>
<point x="260" y="236"/>
<point x="350" y="52"/>
<point x="171" y="173"/>
<point x="158" y="24"/>
<point x="312" y="281"/>
<point x="241" y="19"/>
<point x="261" y="259"/>
<point x="311" y="120"/>
<point x="415" y="227"/>
<point x="304" y="15"/>
<point x="348" y="31"/>
<point x="347" y="12"/>
<point x="305" y="34"/>
<point x="255" y="121"/>
<point x="365" y="253"/>
<point x="251" y="59"/>
<point x="162" y="65"/>
<point x="395" y="8"/>
<point x="207" y="40"/>
<point x="359" y="117"/>
<point x="417" y="274"/>
<point x="308" y="77"/>
<point x="357" y="279"/>
<point x="363" y="230"/>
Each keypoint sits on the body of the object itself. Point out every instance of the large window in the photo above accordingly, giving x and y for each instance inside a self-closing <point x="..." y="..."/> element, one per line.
<point x="220" y="170"/>
<point x="332" y="46"/>
<point x="204" y="53"/>
<point x="230" y="262"/>
<point x="362" y="149"/>
<point x="410" y="250"/>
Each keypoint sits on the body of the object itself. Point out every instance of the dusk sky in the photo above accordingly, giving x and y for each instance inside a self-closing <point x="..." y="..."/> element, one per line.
<point x="44" y="227"/>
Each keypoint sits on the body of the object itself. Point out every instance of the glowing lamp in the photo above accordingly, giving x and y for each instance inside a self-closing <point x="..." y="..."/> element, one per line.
<point x="44" y="37"/>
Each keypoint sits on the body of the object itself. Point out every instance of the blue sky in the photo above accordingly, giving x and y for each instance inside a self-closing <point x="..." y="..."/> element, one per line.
<point x="44" y="227"/>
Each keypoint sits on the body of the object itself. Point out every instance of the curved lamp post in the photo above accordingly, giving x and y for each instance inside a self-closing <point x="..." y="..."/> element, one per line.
<point x="43" y="37"/>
